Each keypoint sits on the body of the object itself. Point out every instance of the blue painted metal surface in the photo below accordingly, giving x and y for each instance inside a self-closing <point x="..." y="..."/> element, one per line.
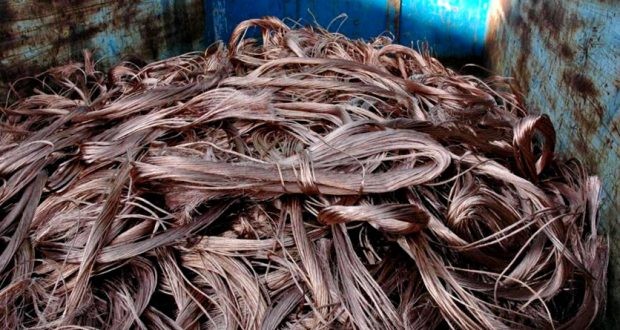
<point x="365" y="19"/>
<point x="35" y="35"/>
<point x="454" y="28"/>
<point x="565" y="56"/>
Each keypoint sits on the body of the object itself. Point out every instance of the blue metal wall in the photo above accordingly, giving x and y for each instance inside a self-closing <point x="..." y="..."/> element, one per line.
<point x="565" y="56"/>
<point x="35" y="35"/>
<point x="453" y="28"/>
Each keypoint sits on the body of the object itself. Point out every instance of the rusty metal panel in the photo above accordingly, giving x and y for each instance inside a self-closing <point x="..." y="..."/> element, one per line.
<point x="35" y="35"/>
<point x="565" y="56"/>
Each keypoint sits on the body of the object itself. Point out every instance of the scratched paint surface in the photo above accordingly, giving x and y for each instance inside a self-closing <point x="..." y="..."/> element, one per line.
<point x="565" y="56"/>
<point x="35" y="35"/>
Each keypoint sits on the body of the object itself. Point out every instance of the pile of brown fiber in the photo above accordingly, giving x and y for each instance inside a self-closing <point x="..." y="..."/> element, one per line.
<point x="297" y="180"/>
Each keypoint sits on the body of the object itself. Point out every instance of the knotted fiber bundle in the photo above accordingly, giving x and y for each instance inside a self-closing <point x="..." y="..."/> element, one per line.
<point x="296" y="180"/>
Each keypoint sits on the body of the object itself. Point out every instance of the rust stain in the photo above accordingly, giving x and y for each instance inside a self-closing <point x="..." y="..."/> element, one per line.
<point x="521" y="71"/>
<point x="599" y="109"/>
<point x="567" y="52"/>
<point x="588" y="112"/>
<point x="552" y="20"/>
<point x="582" y="147"/>
<point x="35" y="35"/>
<point x="7" y="36"/>
<point x="394" y="9"/>
<point x="615" y="126"/>
<point x="588" y="124"/>
<point x="569" y="46"/>
<point x="580" y="84"/>
<point x="548" y="15"/>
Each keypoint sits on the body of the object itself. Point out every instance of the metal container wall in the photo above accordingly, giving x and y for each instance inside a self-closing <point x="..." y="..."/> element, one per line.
<point x="565" y="56"/>
<point x="455" y="28"/>
<point x="35" y="35"/>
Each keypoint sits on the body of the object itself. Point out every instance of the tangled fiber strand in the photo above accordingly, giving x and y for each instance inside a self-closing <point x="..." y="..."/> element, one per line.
<point x="301" y="180"/>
